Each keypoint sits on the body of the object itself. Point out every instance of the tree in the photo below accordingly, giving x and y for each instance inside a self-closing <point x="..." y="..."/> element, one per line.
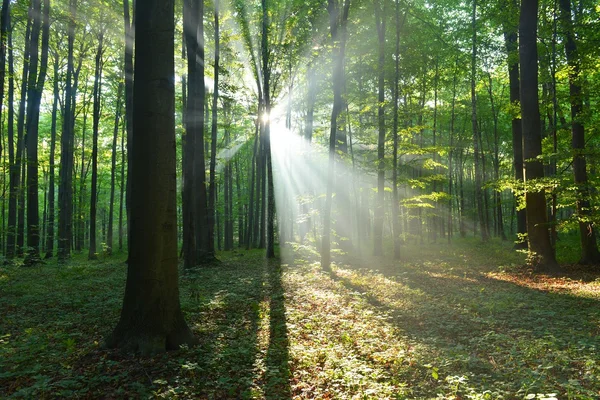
<point x="65" y="191"/>
<point x="338" y="18"/>
<point x="510" y="29"/>
<point x="476" y="131"/>
<point x="379" y="211"/>
<point x="587" y="234"/>
<point x="96" y="121"/>
<point x="35" y="87"/>
<point x="151" y="319"/>
<point x="540" y="248"/>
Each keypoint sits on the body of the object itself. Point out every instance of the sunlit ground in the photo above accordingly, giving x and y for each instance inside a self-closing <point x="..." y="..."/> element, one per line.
<point x="446" y="323"/>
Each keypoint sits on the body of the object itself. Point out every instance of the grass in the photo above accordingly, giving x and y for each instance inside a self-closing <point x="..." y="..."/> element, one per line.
<point x="459" y="322"/>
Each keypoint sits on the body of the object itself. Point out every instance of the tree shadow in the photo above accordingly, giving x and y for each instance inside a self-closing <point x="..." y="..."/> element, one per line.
<point x="236" y="311"/>
<point x="277" y="374"/>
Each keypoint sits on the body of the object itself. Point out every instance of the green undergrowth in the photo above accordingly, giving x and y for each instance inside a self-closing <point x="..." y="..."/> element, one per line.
<point x="446" y="322"/>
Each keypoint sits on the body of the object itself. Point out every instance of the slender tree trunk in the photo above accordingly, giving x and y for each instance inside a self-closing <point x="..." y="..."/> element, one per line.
<point x="129" y="42"/>
<point x="250" y="236"/>
<point x="4" y="27"/>
<point x="476" y="132"/>
<point x="122" y="188"/>
<point x="21" y="155"/>
<point x="65" y="192"/>
<point x="541" y="253"/>
<point x="113" y="171"/>
<point x="270" y="188"/>
<point x="12" y="159"/>
<point x="51" y="183"/>
<point x="379" y="208"/>
<point x="338" y="17"/>
<point x="191" y="120"/>
<point x="589" y="248"/>
<point x="204" y="241"/>
<point x="512" y="51"/>
<point x="213" y="141"/>
<point x="96" y="121"/>
<point x="395" y="197"/>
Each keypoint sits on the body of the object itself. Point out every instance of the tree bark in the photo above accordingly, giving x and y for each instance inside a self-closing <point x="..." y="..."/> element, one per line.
<point x="151" y="319"/>
<point x="338" y="17"/>
<point x="476" y="132"/>
<point x="96" y="122"/>
<point x="65" y="191"/>
<point x="587" y="234"/>
<point x="211" y="210"/>
<point x="541" y="253"/>
<point x="51" y="181"/>
<point x="512" y="51"/>
<point x="113" y="171"/>
<point x="379" y="208"/>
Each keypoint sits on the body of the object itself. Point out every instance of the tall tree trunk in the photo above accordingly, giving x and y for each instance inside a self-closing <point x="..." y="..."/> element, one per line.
<point x="497" y="195"/>
<point x="113" y="171"/>
<point x="21" y="155"/>
<point x="338" y="17"/>
<point x="204" y="242"/>
<point x="541" y="253"/>
<point x="379" y="208"/>
<point x="34" y="93"/>
<point x="51" y="182"/>
<point x="589" y="248"/>
<point x="512" y="51"/>
<point x="14" y="168"/>
<point x="129" y="42"/>
<point x="151" y="319"/>
<point x="395" y="197"/>
<point x="96" y="121"/>
<point x="122" y="188"/>
<point x="80" y="213"/>
<point x="4" y="27"/>
<point x="476" y="132"/>
<point x="191" y="120"/>
<point x="213" y="139"/>
<point x="65" y="191"/>
<point x="270" y="188"/>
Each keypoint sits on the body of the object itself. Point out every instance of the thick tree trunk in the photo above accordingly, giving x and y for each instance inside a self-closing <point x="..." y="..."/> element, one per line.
<point x="151" y="319"/>
<point x="541" y="253"/>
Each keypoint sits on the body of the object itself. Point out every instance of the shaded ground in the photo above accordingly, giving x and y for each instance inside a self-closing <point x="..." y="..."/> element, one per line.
<point x="466" y="323"/>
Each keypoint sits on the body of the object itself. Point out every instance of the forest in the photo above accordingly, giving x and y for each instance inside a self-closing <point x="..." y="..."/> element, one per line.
<point x="307" y="199"/>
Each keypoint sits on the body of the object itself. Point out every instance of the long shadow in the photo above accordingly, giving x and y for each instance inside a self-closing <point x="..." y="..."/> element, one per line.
<point x="277" y="374"/>
<point x="224" y="312"/>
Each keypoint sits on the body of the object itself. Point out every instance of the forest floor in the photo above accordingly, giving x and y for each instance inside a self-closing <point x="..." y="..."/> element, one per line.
<point x="452" y="322"/>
